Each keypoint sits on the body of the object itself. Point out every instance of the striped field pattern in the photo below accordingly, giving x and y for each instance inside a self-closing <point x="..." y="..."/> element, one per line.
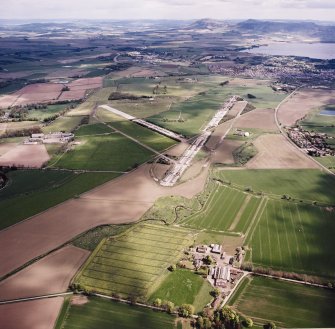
<point x="295" y="237"/>
<point x="130" y="264"/>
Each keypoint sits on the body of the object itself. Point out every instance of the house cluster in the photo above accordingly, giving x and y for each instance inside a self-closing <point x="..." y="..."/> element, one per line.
<point x="51" y="138"/>
<point x="313" y="143"/>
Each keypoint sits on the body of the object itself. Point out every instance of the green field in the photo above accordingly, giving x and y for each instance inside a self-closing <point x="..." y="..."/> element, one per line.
<point x="111" y="152"/>
<point x="287" y="304"/>
<point x="41" y="114"/>
<point x="146" y="136"/>
<point x="104" y="314"/>
<point x="307" y="184"/>
<point x="46" y="197"/>
<point x="184" y="287"/>
<point x="320" y="123"/>
<point x="29" y="181"/>
<point x="93" y="129"/>
<point x="131" y="264"/>
<point x="65" y="123"/>
<point x="225" y="209"/>
<point x="294" y="237"/>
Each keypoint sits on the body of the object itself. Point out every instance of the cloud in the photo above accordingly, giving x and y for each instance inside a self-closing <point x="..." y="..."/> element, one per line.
<point x="169" y="9"/>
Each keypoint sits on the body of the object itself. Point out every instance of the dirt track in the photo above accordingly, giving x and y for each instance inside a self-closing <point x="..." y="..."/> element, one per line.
<point x="275" y="152"/>
<point x="37" y="314"/>
<point x="112" y="203"/>
<point x="49" y="275"/>
<point x="302" y="103"/>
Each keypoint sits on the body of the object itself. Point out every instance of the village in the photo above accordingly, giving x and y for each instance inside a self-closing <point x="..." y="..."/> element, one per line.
<point x="313" y="143"/>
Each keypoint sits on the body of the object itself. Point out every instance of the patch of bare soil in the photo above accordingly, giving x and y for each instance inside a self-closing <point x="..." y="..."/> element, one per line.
<point x="301" y="103"/>
<point x="36" y="314"/>
<point x="217" y="135"/>
<point x="275" y="152"/>
<point x="32" y="156"/>
<point x="259" y="119"/>
<point x="6" y="147"/>
<point x="79" y="300"/>
<point x="50" y="275"/>
<point x="224" y="152"/>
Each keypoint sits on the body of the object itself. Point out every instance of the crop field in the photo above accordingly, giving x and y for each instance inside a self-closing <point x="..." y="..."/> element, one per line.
<point x="111" y="152"/>
<point x="104" y="314"/>
<point x="40" y="198"/>
<point x="29" y="181"/>
<point x="308" y="184"/>
<point x="294" y="237"/>
<point x="287" y="304"/>
<point x="226" y="209"/>
<point x="184" y="287"/>
<point x="130" y="264"/>
<point x="64" y="123"/>
<point x="155" y="140"/>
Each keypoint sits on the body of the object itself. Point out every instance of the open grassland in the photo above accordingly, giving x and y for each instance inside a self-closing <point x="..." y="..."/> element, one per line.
<point x="328" y="162"/>
<point x="308" y="184"/>
<point x="294" y="237"/>
<point x="225" y="209"/>
<point x="41" y="198"/>
<point x="104" y="314"/>
<point x="29" y="181"/>
<point x="64" y="123"/>
<point x="287" y="304"/>
<point x="130" y="265"/>
<point x="97" y="98"/>
<point x="111" y="152"/>
<point x="93" y="129"/>
<point x="184" y="287"/>
<point x="146" y="136"/>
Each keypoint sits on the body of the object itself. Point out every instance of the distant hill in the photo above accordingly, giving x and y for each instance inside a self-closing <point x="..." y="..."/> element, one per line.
<point x="324" y="32"/>
<point x="207" y="24"/>
<point x="272" y="26"/>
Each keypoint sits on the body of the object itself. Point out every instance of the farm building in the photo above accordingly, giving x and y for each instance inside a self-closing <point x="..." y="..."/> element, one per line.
<point x="221" y="275"/>
<point x="51" y="138"/>
<point x="216" y="248"/>
<point x="202" y="249"/>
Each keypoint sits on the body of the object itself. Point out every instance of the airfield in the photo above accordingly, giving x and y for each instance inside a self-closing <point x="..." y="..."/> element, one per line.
<point x="164" y="158"/>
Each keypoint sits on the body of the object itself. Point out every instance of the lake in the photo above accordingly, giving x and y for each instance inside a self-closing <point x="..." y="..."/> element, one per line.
<point x="329" y="110"/>
<point x="311" y="50"/>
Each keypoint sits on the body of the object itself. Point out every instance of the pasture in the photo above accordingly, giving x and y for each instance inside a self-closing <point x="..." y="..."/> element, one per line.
<point x="40" y="198"/>
<point x="111" y="152"/>
<point x="307" y="184"/>
<point x="184" y="287"/>
<point x="49" y="111"/>
<point x="65" y="123"/>
<point x="287" y="304"/>
<point x="294" y="237"/>
<point x="129" y="265"/>
<point x="93" y="129"/>
<point x="146" y="136"/>
<point x="104" y="314"/>
<point x="226" y="209"/>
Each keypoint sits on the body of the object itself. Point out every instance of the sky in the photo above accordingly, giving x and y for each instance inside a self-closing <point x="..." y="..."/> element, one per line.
<point x="168" y="9"/>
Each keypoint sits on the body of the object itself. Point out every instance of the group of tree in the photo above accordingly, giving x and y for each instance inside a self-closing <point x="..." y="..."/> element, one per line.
<point x="225" y="318"/>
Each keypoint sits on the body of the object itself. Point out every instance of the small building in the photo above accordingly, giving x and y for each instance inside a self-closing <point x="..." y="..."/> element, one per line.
<point x="216" y="249"/>
<point x="37" y="136"/>
<point x="202" y="249"/>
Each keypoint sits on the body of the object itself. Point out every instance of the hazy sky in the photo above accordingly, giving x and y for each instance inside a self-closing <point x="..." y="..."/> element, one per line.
<point x="169" y="9"/>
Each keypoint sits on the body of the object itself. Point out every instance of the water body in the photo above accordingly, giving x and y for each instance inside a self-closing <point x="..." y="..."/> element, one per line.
<point x="311" y="50"/>
<point x="328" y="111"/>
